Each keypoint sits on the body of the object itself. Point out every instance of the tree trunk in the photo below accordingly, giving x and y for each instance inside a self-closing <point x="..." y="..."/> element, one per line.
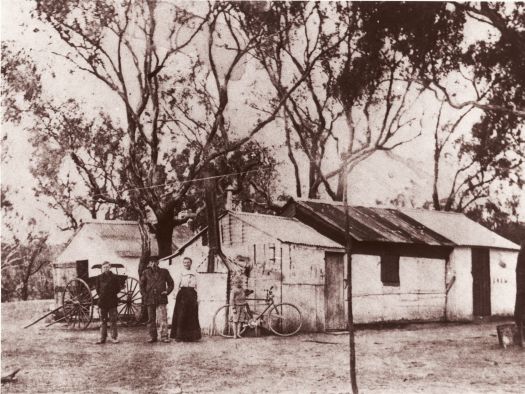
<point x="313" y="176"/>
<point x="437" y="156"/>
<point x="214" y="246"/>
<point x="340" y="187"/>
<point x="164" y="234"/>
<point x="145" y="245"/>
<point x="144" y="259"/>
<point x="25" y="286"/>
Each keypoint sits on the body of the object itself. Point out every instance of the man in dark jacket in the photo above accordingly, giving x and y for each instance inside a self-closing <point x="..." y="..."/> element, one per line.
<point x="155" y="284"/>
<point x="519" y="309"/>
<point x="107" y="286"/>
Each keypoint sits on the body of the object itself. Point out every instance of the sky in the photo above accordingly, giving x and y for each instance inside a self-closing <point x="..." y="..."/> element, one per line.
<point x="405" y="172"/>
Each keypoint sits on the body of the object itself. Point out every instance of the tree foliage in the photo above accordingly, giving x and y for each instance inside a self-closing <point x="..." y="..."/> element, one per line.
<point x="190" y="88"/>
<point x="25" y="258"/>
<point x="492" y="69"/>
<point x="174" y="100"/>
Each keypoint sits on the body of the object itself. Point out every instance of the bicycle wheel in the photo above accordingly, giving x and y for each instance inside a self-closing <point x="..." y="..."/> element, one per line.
<point x="285" y="319"/>
<point x="223" y="321"/>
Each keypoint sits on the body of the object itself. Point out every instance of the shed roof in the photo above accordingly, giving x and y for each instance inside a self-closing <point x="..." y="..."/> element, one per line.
<point x="375" y="224"/>
<point x="460" y="229"/>
<point x="286" y="230"/>
<point x="123" y="237"/>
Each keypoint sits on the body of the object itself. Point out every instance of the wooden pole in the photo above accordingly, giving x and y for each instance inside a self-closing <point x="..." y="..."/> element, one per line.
<point x="348" y="250"/>
<point x="213" y="225"/>
<point x="46" y="315"/>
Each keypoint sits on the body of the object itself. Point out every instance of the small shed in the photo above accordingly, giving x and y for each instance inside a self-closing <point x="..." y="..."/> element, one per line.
<point x="415" y="264"/>
<point x="481" y="270"/>
<point x="272" y="251"/>
<point x="96" y="241"/>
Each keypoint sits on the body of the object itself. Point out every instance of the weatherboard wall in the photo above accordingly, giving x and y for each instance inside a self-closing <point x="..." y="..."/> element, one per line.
<point x="296" y="272"/>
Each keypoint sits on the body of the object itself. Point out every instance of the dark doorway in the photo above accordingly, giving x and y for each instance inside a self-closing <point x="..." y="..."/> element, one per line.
<point x="82" y="269"/>
<point x="481" y="281"/>
<point x="334" y="291"/>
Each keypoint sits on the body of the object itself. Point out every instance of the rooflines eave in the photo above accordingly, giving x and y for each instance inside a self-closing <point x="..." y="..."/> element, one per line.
<point x="191" y="240"/>
<point x="326" y="220"/>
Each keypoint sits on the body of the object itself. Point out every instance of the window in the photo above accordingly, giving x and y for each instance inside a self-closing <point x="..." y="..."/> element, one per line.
<point x="390" y="270"/>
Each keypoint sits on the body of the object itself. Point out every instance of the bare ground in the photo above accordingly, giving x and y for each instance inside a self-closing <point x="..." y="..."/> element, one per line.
<point x="426" y="358"/>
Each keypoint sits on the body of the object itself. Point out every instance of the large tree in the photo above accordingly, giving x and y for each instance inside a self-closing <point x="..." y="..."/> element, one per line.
<point x="490" y="82"/>
<point x="174" y="97"/>
<point x="483" y="156"/>
<point x="359" y="97"/>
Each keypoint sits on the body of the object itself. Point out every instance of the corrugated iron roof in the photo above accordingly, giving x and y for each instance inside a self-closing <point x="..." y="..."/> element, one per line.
<point x="287" y="230"/>
<point x="376" y="224"/>
<point x="460" y="229"/>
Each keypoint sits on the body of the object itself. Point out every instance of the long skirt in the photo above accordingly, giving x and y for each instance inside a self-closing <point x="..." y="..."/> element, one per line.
<point x="185" y="324"/>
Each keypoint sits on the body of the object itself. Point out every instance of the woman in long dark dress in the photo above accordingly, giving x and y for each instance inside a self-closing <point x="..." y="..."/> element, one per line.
<point x="185" y="324"/>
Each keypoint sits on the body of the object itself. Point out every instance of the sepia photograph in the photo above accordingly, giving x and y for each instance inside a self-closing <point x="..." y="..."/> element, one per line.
<point x="203" y="196"/>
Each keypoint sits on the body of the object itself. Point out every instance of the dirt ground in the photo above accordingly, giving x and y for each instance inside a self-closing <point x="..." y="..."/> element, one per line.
<point x="425" y="358"/>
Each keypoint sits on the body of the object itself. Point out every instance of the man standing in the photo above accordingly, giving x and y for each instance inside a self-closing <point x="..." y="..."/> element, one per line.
<point x="107" y="286"/>
<point x="156" y="283"/>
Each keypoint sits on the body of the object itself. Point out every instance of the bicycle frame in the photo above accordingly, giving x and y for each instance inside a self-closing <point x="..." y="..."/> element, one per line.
<point x="276" y="321"/>
<point x="269" y="305"/>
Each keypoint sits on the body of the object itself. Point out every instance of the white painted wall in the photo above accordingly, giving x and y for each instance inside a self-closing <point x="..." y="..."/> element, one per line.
<point x="420" y="295"/>
<point x="88" y="246"/>
<point x="460" y="298"/>
<point x="503" y="281"/>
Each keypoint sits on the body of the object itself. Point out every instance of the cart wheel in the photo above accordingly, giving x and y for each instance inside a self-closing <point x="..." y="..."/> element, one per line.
<point x="77" y="302"/>
<point x="129" y="302"/>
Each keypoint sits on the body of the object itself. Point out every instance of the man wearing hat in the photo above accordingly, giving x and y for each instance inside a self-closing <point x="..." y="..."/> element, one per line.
<point x="155" y="284"/>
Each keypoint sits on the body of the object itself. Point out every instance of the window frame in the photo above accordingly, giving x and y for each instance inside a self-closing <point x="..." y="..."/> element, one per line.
<point x="389" y="270"/>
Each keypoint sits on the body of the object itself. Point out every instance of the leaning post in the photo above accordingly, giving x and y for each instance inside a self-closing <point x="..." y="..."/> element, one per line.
<point x="348" y="250"/>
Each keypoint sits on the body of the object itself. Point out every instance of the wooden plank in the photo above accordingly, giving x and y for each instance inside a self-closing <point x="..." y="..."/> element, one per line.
<point x="334" y="291"/>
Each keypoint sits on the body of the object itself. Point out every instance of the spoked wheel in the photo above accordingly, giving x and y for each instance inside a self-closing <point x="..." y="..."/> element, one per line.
<point x="77" y="302"/>
<point x="285" y="319"/>
<point x="129" y="302"/>
<point x="223" y="322"/>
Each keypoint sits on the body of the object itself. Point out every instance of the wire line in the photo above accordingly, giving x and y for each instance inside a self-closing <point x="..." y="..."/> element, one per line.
<point x="119" y="192"/>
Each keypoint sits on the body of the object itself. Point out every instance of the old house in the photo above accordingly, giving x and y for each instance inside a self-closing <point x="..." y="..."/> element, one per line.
<point x="414" y="264"/>
<point x="273" y="251"/>
<point x="96" y="241"/>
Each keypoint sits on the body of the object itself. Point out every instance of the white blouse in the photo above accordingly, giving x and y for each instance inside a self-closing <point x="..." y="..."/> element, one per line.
<point x="188" y="278"/>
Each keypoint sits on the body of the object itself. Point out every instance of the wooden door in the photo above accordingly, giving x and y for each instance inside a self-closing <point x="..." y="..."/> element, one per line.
<point x="334" y="291"/>
<point x="481" y="281"/>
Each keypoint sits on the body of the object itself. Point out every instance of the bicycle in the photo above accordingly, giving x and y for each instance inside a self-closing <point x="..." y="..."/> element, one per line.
<point x="282" y="319"/>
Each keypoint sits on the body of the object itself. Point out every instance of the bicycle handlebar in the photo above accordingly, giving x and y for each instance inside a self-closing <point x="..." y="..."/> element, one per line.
<point x="269" y="294"/>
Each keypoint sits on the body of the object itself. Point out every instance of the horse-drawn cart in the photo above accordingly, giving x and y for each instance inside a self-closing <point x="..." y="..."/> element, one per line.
<point x="78" y="299"/>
